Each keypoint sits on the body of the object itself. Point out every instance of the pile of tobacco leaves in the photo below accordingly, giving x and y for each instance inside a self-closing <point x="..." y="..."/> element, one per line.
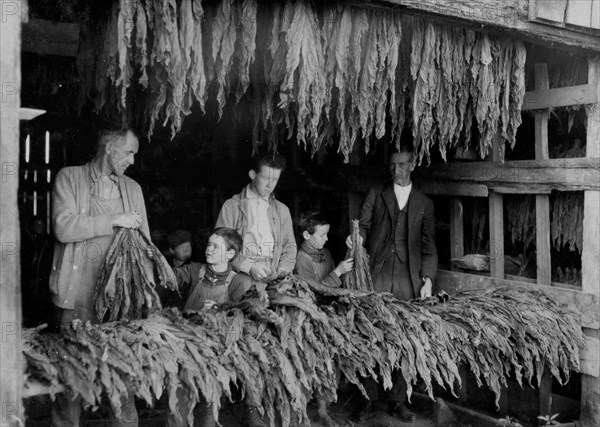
<point x="284" y="341"/>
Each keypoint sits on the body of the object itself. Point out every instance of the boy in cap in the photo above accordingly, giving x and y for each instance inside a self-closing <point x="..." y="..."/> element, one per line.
<point x="180" y="247"/>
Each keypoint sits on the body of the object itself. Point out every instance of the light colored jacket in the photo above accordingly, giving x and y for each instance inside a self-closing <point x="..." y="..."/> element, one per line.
<point x="235" y="213"/>
<point x="75" y="229"/>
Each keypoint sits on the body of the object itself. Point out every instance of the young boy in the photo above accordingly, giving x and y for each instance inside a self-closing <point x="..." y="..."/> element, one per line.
<point x="180" y="247"/>
<point x="204" y="285"/>
<point x="314" y="262"/>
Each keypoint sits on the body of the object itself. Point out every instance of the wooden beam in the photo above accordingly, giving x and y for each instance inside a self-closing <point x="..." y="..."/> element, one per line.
<point x="50" y="38"/>
<point x="457" y="235"/>
<point x="585" y="303"/>
<point x="559" y="97"/>
<point x="554" y="174"/>
<point x="508" y="17"/>
<point x="461" y="189"/>
<point x="542" y="201"/>
<point x="11" y="357"/>
<point x="590" y="253"/>
<point x="519" y="189"/>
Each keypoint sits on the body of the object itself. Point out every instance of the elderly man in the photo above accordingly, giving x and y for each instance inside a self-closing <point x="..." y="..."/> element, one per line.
<point x="89" y="203"/>
<point x="397" y="222"/>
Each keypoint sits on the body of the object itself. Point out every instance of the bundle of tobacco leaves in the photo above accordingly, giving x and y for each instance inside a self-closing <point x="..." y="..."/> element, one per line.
<point x="127" y="279"/>
<point x="285" y="341"/>
<point x="360" y="276"/>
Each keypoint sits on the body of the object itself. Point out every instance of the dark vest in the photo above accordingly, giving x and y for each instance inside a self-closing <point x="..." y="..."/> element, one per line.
<point x="401" y="232"/>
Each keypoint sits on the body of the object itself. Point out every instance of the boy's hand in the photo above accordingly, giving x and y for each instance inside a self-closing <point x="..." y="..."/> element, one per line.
<point x="345" y="266"/>
<point x="349" y="240"/>
<point x="260" y="271"/>
<point x="208" y="304"/>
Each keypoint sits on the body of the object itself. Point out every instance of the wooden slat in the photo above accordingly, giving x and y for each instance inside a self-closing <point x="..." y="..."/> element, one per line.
<point x="503" y="17"/>
<point x="520" y="189"/>
<point x="462" y="189"/>
<point x="50" y="38"/>
<point x="542" y="201"/>
<point x="496" y="209"/>
<point x="588" y="305"/>
<point x="457" y="247"/>
<point x="549" y="10"/>
<point x="579" y="13"/>
<point x="554" y="174"/>
<point x="559" y="97"/>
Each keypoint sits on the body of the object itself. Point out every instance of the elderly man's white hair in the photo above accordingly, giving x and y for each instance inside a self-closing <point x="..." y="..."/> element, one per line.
<point x="107" y="136"/>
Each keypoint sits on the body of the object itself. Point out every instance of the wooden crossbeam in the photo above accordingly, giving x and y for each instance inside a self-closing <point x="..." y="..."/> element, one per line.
<point x="559" y="97"/>
<point x="530" y="176"/>
<point x="50" y="38"/>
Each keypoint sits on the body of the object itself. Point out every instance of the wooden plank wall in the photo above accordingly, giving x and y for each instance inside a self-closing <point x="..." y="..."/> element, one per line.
<point x="11" y="369"/>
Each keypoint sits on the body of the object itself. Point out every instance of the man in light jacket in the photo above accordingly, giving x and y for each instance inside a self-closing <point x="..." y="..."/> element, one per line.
<point x="89" y="203"/>
<point x="264" y="223"/>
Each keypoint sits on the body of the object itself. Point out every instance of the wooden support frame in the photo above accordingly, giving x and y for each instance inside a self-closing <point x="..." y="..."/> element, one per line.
<point x="590" y="385"/>
<point x="508" y="17"/>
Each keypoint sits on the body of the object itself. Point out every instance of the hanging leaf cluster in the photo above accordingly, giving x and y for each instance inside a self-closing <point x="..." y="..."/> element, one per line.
<point x="323" y="74"/>
<point x="464" y="79"/>
<point x="281" y="343"/>
<point x="158" y="46"/>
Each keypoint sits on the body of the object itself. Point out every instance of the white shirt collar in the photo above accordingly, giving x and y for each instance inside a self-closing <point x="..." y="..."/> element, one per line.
<point x="402" y="194"/>
<point x="252" y="195"/>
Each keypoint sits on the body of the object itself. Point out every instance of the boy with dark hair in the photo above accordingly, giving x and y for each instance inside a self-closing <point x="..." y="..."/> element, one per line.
<point x="314" y="260"/>
<point x="202" y="286"/>
<point x="180" y="247"/>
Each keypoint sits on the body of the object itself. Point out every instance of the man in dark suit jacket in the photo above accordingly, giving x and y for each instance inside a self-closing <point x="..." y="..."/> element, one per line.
<point x="398" y="225"/>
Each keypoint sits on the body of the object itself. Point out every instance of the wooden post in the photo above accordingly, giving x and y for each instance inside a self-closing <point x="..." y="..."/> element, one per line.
<point x="11" y="358"/>
<point x="457" y="235"/>
<point x="496" y="209"/>
<point x="590" y="254"/>
<point x="542" y="201"/>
